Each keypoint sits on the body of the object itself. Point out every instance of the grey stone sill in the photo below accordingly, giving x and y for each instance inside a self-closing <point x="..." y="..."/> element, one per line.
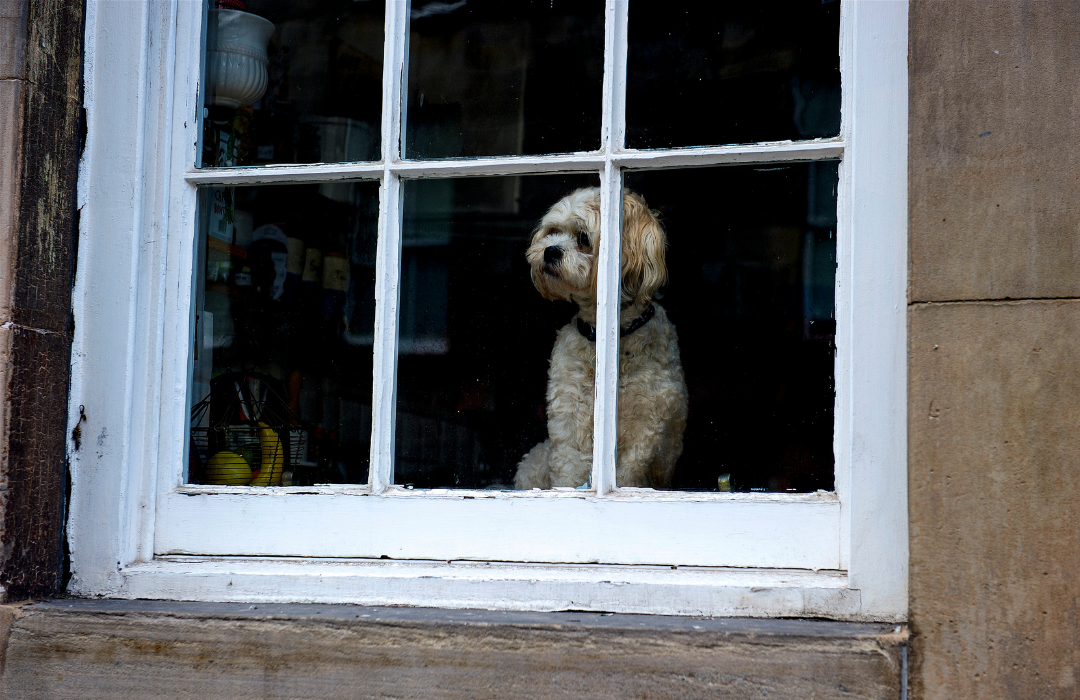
<point x="439" y="616"/>
<point x="143" y="648"/>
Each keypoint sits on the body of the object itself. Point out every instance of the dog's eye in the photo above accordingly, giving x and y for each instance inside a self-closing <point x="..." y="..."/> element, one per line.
<point x="583" y="240"/>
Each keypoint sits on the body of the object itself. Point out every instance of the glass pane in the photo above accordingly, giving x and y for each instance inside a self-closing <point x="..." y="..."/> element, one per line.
<point x="751" y="265"/>
<point x="491" y="78"/>
<point x="292" y="81"/>
<point x="717" y="73"/>
<point x="475" y="334"/>
<point x="284" y="319"/>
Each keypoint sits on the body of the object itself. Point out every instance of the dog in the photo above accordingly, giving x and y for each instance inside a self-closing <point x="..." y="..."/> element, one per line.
<point x="652" y="406"/>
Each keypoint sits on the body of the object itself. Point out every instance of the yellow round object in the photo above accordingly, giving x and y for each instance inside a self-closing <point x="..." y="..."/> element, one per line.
<point x="228" y="469"/>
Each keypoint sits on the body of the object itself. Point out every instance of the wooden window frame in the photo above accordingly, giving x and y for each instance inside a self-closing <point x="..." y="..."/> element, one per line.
<point x="136" y="530"/>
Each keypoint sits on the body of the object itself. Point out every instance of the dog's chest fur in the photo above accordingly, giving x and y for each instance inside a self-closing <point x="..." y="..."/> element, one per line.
<point x="652" y="403"/>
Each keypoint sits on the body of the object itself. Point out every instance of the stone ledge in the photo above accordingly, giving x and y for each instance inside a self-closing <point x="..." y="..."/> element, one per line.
<point x="111" y="648"/>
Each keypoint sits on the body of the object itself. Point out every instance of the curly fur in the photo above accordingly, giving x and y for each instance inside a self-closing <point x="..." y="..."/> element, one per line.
<point x="652" y="392"/>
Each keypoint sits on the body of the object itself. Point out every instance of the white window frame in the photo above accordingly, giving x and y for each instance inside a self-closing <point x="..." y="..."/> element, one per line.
<point x="136" y="531"/>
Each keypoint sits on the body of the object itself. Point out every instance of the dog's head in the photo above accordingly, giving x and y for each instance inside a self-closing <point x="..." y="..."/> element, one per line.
<point x="564" y="249"/>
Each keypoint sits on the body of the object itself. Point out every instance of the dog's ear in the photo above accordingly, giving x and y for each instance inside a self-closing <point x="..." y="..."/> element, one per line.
<point x="644" y="246"/>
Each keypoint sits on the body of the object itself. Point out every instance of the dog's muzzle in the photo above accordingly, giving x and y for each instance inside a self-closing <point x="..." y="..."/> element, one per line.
<point x="552" y="255"/>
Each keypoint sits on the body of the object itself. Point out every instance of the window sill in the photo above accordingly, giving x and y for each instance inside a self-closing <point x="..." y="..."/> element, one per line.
<point x="107" y="648"/>
<point x="661" y="590"/>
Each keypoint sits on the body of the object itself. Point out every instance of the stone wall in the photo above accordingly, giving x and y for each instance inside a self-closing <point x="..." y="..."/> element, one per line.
<point x="994" y="367"/>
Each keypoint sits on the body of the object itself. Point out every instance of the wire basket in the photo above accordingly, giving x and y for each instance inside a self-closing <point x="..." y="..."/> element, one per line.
<point x="258" y="448"/>
<point x="243" y="433"/>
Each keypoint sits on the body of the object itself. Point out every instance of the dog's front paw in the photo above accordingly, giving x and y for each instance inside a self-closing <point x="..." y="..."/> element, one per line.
<point x="534" y="470"/>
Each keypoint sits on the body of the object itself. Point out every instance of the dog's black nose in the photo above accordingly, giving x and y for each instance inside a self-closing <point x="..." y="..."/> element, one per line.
<point x="552" y="254"/>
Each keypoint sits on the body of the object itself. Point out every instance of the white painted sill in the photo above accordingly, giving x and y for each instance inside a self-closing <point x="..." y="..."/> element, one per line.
<point x="666" y="590"/>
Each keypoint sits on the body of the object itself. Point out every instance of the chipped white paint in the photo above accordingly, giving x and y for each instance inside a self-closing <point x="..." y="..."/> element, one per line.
<point x="11" y="325"/>
<point x="136" y="531"/>
<point x="499" y="586"/>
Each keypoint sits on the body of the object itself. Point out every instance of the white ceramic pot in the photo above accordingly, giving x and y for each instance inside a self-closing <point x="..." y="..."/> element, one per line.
<point x="236" y="57"/>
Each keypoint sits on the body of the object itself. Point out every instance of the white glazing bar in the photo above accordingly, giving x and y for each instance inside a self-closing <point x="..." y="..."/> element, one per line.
<point x="615" y="66"/>
<point x="606" y="390"/>
<point x="286" y="173"/>
<point x="510" y="165"/>
<point x="388" y="254"/>
<point x="787" y="151"/>
<point x="404" y="32"/>
<point x="384" y="371"/>
<point x="612" y="117"/>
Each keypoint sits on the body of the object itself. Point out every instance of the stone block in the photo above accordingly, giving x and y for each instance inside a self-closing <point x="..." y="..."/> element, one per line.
<point x="110" y="649"/>
<point x="13" y="38"/>
<point x="994" y="177"/>
<point x="994" y="493"/>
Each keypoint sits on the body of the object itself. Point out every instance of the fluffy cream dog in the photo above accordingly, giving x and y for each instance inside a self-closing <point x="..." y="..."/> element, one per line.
<point x="652" y="392"/>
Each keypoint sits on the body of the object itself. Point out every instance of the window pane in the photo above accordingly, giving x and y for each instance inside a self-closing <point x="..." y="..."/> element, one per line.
<point x="475" y="335"/>
<point x="719" y="73"/>
<point x="285" y="313"/>
<point x="295" y="81"/>
<point x="489" y="78"/>
<point x="751" y="265"/>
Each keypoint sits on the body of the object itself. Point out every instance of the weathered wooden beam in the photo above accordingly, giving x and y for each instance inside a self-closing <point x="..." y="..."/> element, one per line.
<point x="40" y="101"/>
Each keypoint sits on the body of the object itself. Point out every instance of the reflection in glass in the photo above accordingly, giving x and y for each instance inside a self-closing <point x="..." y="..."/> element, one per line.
<point x="489" y="78"/>
<point x="474" y="334"/>
<point x="751" y="276"/>
<point x="284" y="319"/>
<point x="292" y="81"/>
<point x="719" y="73"/>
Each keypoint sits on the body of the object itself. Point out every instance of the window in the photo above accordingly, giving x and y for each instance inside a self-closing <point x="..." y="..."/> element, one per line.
<point x="339" y="276"/>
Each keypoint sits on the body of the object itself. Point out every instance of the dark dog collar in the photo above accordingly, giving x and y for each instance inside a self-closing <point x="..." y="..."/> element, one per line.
<point x="590" y="333"/>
